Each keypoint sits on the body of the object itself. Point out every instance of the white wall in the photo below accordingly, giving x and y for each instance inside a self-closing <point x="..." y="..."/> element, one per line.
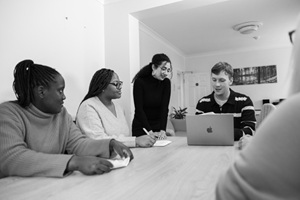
<point x="120" y="47"/>
<point x="273" y="91"/>
<point x="150" y="44"/>
<point x="69" y="36"/>
<point x="64" y="34"/>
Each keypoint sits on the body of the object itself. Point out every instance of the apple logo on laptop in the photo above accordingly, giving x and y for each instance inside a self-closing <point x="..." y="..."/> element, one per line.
<point x="209" y="130"/>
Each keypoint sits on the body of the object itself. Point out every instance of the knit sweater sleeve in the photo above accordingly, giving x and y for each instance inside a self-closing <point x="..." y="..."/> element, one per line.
<point x="248" y="120"/>
<point x="138" y="94"/>
<point x="90" y="122"/>
<point x="165" y="104"/>
<point x="81" y="145"/>
<point x="32" y="145"/>
<point x="16" y="159"/>
<point x="204" y="105"/>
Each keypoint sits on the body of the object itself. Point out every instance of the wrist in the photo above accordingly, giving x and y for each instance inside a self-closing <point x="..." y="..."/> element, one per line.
<point x="136" y="142"/>
<point x="111" y="145"/>
<point x="72" y="164"/>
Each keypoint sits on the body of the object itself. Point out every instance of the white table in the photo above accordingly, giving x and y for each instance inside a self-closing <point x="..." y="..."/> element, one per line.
<point x="176" y="171"/>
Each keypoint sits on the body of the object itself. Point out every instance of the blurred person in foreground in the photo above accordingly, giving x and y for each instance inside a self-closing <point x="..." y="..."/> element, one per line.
<point x="268" y="168"/>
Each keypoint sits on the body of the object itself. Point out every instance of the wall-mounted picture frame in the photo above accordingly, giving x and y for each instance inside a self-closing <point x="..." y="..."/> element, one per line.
<point x="255" y="75"/>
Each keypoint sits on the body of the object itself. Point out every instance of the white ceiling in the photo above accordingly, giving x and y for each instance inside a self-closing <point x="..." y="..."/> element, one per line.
<point x="200" y="27"/>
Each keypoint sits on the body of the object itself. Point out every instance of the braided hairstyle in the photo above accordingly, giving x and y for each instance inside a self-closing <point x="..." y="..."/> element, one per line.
<point x="99" y="82"/>
<point x="157" y="59"/>
<point x="27" y="76"/>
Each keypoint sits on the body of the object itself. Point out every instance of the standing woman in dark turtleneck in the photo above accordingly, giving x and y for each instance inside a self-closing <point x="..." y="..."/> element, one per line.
<point x="151" y="94"/>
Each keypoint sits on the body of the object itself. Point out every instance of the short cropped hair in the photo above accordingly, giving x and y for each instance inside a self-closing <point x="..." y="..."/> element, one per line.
<point x="222" y="66"/>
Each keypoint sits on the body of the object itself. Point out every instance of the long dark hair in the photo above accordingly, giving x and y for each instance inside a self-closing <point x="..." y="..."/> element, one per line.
<point x="28" y="75"/>
<point x="157" y="59"/>
<point x="99" y="82"/>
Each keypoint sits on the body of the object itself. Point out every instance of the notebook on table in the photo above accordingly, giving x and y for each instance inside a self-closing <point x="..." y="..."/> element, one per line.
<point x="210" y="129"/>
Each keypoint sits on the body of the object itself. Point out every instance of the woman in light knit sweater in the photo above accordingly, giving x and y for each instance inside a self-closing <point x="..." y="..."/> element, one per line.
<point x="38" y="136"/>
<point x="100" y="118"/>
<point x="268" y="168"/>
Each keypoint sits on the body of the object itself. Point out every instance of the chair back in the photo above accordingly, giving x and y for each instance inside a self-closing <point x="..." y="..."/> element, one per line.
<point x="266" y="109"/>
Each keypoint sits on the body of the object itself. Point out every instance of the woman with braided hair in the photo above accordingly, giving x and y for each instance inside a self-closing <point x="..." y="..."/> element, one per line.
<point x="38" y="136"/>
<point x="100" y="118"/>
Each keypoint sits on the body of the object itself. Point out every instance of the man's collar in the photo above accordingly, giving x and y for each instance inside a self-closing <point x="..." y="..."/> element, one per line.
<point x="231" y="99"/>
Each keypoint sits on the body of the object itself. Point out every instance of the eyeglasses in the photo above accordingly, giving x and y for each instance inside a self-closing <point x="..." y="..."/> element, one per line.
<point x="117" y="84"/>
<point x="292" y="36"/>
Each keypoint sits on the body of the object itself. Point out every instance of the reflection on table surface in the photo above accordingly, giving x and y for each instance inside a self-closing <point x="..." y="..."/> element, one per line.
<point x="176" y="171"/>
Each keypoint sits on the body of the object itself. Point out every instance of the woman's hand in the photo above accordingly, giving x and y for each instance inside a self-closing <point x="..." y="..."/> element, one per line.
<point x="89" y="165"/>
<point x="120" y="149"/>
<point x="161" y="135"/>
<point x="145" y="140"/>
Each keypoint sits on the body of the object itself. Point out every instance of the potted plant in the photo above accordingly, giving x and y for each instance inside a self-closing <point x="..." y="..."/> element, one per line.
<point x="178" y="119"/>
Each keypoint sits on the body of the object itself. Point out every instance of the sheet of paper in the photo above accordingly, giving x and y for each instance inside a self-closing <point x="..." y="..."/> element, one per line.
<point x="161" y="143"/>
<point x="117" y="163"/>
<point x="208" y="113"/>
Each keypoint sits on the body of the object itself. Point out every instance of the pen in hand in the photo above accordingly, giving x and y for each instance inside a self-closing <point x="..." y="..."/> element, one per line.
<point x="149" y="133"/>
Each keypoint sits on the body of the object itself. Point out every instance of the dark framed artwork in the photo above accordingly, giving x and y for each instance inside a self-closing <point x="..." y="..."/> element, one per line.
<point x="255" y="75"/>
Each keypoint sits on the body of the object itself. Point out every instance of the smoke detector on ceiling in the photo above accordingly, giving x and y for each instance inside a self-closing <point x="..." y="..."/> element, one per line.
<point x="248" y="27"/>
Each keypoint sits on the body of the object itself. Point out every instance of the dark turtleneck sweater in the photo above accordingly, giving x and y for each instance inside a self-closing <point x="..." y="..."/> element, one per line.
<point x="151" y="99"/>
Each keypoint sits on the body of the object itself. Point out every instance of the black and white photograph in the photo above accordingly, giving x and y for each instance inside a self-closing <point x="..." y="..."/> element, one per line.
<point x="255" y="75"/>
<point x="149" y="99"/>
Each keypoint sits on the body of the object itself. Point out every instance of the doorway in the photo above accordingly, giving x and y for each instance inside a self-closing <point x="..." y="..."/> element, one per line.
<point x="191" y="87"/>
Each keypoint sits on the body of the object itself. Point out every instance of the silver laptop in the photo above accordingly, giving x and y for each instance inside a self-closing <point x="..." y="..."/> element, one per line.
<point x="210" y="129"/>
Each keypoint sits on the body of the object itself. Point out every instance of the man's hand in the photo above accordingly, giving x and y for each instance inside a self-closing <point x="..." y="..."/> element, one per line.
<point x="120" y="149"/>
<point x="89" y="165"/>
<point x="244" y="141"/>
